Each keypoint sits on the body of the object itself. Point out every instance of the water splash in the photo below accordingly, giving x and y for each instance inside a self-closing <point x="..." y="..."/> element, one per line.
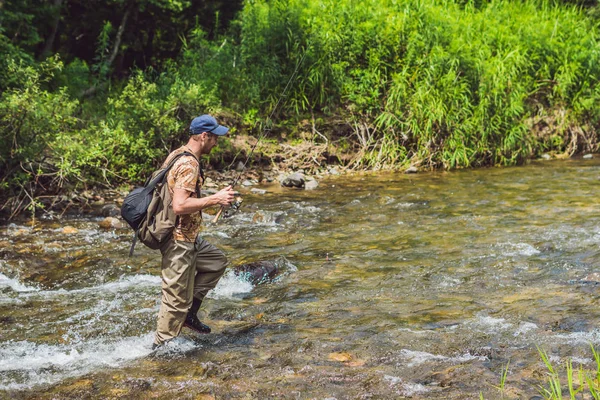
<point x="15" y="285"/>
<point x="25" y="364"/>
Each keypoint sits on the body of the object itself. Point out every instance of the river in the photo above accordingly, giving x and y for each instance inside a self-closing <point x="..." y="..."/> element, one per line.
<point x="420" y="286"/>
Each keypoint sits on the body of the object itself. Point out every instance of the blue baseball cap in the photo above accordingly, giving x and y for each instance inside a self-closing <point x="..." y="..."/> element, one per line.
<point x="207" y="123"/>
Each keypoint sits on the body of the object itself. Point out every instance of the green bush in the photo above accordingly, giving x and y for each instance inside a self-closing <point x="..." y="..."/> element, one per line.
<point x="30" y="120"/>
<point x="440" y="83"/>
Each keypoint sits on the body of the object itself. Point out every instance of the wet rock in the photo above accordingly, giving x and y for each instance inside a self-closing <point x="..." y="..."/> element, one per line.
<point x="280" y="219"/>
<point x="311" y="184"/>
<point x="588" y="156"/>
<point x="258" y="191"/>
<point x="341" y="357"/>
<point x="546" y="156"/>
<point x="258" y="271"/>
<point x="110" y="223"/>
<point x="240" y="166"/>
<point x="69" y="230"/>
<point x="333" y="171"/>
<point x="110" y="210"/>
<point x="411" y="170"/>
<point x="247" y="183"/>
<point x="295" y="180"/>
<point x="138" y="384"/>
<point x="258" y="217"/>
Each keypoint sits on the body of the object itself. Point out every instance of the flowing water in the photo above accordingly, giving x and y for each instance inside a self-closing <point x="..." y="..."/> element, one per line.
<point x="419" y="286"/>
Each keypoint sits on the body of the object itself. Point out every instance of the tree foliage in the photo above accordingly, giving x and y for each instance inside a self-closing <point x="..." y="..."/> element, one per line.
<point x="107" y="87"/>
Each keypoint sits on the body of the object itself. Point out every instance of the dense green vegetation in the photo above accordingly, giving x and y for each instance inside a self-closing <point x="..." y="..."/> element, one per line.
<point x="97" y="92"/>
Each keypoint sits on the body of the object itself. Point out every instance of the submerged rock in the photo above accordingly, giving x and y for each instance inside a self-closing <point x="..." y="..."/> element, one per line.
<point x="70" y="230"/>
<point x="263" y="271"/>
<point x="411" y="170"/>
<point x="111" y="210"/>
<point x="110" y="222"/>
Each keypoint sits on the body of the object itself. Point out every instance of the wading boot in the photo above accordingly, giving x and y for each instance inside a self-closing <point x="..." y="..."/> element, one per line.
<point x="192" y="322"/>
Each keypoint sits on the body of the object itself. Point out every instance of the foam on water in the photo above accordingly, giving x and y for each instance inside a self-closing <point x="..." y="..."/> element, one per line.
<point x="517" y="249"/>
<point x="584" y="338"/>
<point x="26" y="364"/>
<point x="414" y="358"/>
<point x="15" y="285"/>
<point x="124" y="284"/>
<point x="230" y="286"/>
<point x="525" y="327"/>
<point x="487" y="324"/>
<point x="409" y="389"/>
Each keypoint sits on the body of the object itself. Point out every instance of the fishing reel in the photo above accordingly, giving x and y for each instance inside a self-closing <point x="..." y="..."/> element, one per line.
<point x="233" y="208"/>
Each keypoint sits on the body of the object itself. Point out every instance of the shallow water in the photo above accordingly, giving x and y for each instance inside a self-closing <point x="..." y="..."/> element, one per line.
<point x="417" y="286"/>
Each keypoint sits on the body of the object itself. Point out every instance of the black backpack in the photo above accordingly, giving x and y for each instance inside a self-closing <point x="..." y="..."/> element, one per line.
<point x="135" y="205"/>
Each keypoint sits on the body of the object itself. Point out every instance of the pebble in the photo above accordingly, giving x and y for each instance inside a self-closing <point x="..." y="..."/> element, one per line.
<point x="110" y="222"/>
<point x="70" y="230"/>
<point x="411" y="170"/>
<point x="247" y="183"/>
<point x="258" y="191"/>
<point x="341" y="357"/>
<point x="588" y="156"/>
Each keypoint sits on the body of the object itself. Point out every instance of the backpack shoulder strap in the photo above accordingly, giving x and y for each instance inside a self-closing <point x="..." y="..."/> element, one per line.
<point x="160" y="176"/>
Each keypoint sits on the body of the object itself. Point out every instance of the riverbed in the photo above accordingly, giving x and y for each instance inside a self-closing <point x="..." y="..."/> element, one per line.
<point x="392" y="285"/>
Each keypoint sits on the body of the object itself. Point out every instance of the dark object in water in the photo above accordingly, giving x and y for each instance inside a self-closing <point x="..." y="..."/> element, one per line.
<point x="258" y="271"/>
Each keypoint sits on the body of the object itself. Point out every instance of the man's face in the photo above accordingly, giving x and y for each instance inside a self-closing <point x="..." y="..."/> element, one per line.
<point x="211" y="141"/>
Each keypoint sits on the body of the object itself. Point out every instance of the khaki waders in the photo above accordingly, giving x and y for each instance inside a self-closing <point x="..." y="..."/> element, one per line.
<point x="189" y="270"/>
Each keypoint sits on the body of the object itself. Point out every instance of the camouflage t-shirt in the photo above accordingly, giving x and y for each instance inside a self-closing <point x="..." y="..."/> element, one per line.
<point x="185" y="174"/>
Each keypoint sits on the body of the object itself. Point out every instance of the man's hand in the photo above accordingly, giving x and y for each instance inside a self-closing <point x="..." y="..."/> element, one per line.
<point x="224" y="197"/>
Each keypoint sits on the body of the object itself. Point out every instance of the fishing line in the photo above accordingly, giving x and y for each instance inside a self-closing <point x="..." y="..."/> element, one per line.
<point x="267" y="128"/>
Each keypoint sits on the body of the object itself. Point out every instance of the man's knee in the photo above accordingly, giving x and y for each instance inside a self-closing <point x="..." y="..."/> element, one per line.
<point x="221" y="263"/>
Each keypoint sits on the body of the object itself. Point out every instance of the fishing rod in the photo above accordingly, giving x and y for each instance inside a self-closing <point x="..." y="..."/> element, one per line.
<point x="268" y="124"/>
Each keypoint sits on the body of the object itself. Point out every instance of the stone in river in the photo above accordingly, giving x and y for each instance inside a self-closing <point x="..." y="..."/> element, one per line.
<point x="411" y="170"/>
<point x="258" y="191"/>
<point x="294" y="180"/>
<point x="69" y="230"/>
<point x="341" y="357"/>
<point x="588" y="156"/>
<point x="111" y="210"/>
<point x="258" y="271"/>
<point x="110" y="222"/>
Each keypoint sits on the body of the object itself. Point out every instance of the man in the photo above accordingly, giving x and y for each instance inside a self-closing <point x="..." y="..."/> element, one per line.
<point x="190" y="265"/>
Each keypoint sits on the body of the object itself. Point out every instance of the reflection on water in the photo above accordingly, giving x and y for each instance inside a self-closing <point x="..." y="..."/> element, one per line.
<point x="422" y="286"/>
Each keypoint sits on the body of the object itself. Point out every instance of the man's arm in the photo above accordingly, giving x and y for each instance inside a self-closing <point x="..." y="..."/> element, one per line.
<point x="183" y="203"/>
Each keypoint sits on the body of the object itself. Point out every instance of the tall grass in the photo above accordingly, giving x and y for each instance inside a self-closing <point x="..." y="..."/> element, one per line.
<point x="442" y="84"/>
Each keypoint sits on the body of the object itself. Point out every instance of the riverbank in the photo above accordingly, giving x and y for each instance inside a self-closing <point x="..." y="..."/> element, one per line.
<point x="273" y="160"/>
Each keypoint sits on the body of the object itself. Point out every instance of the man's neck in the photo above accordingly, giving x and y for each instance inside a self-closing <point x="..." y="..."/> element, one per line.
<point x="194" y="148"/>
